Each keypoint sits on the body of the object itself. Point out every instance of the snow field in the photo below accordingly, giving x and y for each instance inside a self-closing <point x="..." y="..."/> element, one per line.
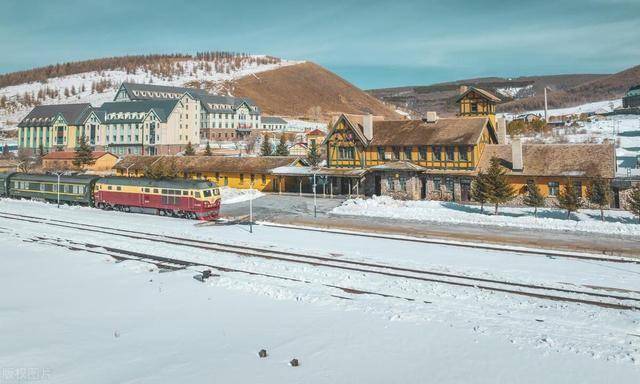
<point x="586" y="220"/>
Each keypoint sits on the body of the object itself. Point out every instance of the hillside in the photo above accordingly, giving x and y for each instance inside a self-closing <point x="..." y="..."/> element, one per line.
<point x="603" y="88"/>
<point x="297" y="90"/>
<point x="280" y="87"/>
<point x="441" y="97"/>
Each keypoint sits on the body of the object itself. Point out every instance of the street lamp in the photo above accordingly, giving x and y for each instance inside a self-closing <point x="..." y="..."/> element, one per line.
<point x="251" y="207"/>
<point x="58" y="187"/>
<point x="315" y="201"/>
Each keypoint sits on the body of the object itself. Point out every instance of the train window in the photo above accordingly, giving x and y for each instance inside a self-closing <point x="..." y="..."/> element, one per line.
<point x="155" y="190"/>
<point x="206" y="193"/>
<point x="42" y="187"/>
<point x="118" y="188"/>
<point x="164" y="191"/>
<point x="185" y="193"/>
<point x="216" y="192"/>
<point x="197" y="194"/>
<point x="109" y="187"/>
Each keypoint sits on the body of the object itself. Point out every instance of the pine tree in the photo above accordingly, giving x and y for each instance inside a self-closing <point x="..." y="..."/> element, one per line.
<point x="533" y="198"/>
<point x="207" y="150"/>
<point x="480" y="190"/>
<point x="633" y="203"/>
<point x="84" y="154"/>
<point x="282" y="149"/>
<point x="599" y="194"/>
<point x="265" y="147"/>
<point x="499" y="189"/>
<point x="313" y="156"/>
<point x="569" y="199"/>
<point x="189" y="151"/>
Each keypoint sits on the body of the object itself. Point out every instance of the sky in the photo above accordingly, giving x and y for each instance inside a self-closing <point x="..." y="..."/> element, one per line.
<point x="372" y="44"/>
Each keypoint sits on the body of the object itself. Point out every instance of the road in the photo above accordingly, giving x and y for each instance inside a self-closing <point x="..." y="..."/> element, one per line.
<point x="298" y="210"/>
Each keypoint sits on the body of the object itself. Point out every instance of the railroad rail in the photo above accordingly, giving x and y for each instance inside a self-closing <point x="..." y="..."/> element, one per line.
<point x="494" y="285"/>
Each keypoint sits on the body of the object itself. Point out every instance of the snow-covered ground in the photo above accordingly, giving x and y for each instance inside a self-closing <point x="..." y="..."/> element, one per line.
<point x="9" y="118"/>
<point x="74" y="316"/>
<point x="234" y="195"/>
<point x="586" y="220"/>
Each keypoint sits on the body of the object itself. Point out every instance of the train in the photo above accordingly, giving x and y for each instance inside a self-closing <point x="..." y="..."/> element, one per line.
<point x="190" y="199"/>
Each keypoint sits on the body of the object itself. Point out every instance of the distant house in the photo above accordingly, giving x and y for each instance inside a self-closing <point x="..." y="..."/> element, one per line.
<point x="104" y="161"/>
<point x="316" y="136"/>
<point x="528" y="117"/>
<point x="271" y="123"/>
<point x="298" y="149"/>
<point x="632" y="98"/>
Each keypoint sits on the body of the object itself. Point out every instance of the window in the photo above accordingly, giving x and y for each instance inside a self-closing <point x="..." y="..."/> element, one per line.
<point x="464" y="153"/>
<point x="407" y="152"/>
<point x="346" y="153"/>
<point x="554" y="188"/>
<point x="264" y="179"/>
<point x="109" y="187"/>
<point x="197" y="194"/>
<point x="437" y="153"/>
<point x="155" y="190"/>
<point x="390" y="184"/>
<point x="450" y="153"/>
<point x="577" y="185"/>
<point x="474" y="107"/>
<point x="422" y="153"/>
<point x="396" y="153"/>
<point x="448" y="184"/>
<point x="118" y="188"/>
<point x="253" y="177"/>
<point x="241" y="178"/>
<point x="185" y="193"/>
<point x="207" y="193"/>
<point x="437" y="184"/>
<point x="403" y="183"/>
<point x="380" y="153"/>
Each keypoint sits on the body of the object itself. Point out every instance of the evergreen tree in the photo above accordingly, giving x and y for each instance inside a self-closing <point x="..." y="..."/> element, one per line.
<point x="84" y="154"/>
<point x="313" y="156"/>
<point x="499" y="189"/>
<point x="480" y="190"/>
<point x="569" y="199"/>
<point x="282" y="149"/>
<point x="265" y="147"/>
<point x="633" y="203"/>
<point x="533" y="198"/>
<point x="189" y="151"/>
<point x="207" y="150"/>
<point x="599" y="194"/>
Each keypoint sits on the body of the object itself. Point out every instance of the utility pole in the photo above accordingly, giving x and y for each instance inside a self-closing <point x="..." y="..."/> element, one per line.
<point x="58" y="187"/>
<point x="546" y="119"/>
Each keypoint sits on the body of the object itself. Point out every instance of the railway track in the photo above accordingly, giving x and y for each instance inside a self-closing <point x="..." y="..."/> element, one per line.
<point x="485" y="284"/>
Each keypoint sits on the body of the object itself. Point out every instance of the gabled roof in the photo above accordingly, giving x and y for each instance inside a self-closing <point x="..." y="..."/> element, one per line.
<point x="273" y="120"/>
<point x="162" y="108"/>
<point x="315" y="132"/>
<point x="570" y="160"/>
<point x="486" y="94"/>
<point x="68" y="155"/>
<point x="447" y="131"/>
<point x="131" y="87"/>
<point x="352" y="124"/>
<point x="46" y="114"/>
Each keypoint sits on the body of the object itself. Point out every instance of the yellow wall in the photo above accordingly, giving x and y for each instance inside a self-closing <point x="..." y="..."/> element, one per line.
<point x="519" y="183"/>
<point x="233" y="179"/>
<point x="484" y="107"/>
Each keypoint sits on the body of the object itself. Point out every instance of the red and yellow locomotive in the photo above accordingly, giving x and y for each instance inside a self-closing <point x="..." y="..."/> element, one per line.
<point x="180" y="198"/>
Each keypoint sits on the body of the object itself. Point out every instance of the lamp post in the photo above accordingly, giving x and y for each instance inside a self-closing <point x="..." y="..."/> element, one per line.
<point x="127" y="168"/>
<point x="315" y="201"/>
<point x="251" y="207"/>
<point x="58" y="187"/>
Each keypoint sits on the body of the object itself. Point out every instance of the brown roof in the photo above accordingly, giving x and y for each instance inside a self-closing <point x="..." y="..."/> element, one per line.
<point x="482" y="92"/>
<point x="578" y="160"/>
<point x="263" y="164"/>
<point x="315" y="132"/>
<point x="66" y="155"/>
<point x="448" y="131"/>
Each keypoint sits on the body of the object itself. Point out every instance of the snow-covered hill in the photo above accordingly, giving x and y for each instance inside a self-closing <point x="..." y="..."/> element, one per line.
<point x="78" y="88"/>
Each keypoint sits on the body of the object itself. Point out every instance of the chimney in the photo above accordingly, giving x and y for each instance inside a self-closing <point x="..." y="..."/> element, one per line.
<point x="431" y="117"/>
<point x="516" y="155"/>
<point x="463" y="89"/>
<point x="501" y="130"/>
<point x="367" y="126"/>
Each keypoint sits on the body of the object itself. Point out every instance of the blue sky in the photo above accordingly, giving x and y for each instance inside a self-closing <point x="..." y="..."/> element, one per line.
<point x="370" y="43"/>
